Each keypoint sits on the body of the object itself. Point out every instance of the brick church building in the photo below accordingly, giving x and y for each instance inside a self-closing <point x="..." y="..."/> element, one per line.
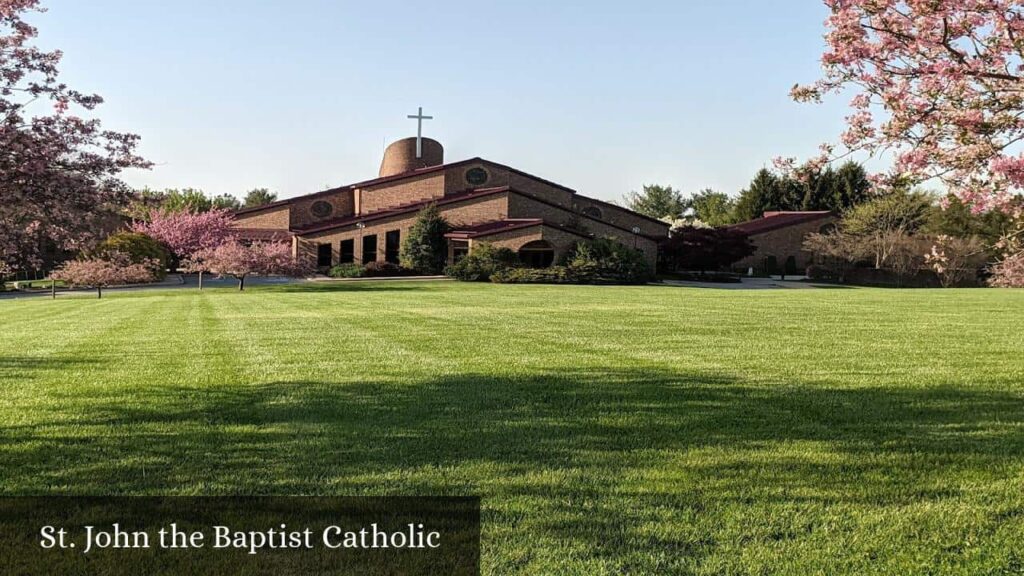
<point x="483" y="201"/>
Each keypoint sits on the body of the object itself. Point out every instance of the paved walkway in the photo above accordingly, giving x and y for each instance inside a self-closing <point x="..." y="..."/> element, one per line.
<point x="173" y="281"/>
<point x="748" y="284"/>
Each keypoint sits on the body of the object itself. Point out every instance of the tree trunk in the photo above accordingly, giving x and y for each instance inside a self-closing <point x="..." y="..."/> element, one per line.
<point x="241" y="283"/>
<point x="53" y="289"/>
<point x="200" y="279"/>
<point x="99" y="292"/>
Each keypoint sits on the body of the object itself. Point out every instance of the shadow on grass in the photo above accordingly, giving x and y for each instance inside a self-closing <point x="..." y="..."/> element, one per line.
<point x="17" y="368"/>
<point x="630" y="443"/>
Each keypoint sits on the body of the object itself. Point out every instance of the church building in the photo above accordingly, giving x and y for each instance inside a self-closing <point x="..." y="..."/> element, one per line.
<point x="483" y="201"/>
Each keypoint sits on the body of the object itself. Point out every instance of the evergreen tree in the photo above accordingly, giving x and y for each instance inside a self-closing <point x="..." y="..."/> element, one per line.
<point x="851" y="186"/>
<point x="424" y="248"/>
<point x="767" y="192"/>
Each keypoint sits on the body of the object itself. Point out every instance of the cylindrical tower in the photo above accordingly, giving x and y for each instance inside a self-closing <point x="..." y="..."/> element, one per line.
<point x="400" y="157"/>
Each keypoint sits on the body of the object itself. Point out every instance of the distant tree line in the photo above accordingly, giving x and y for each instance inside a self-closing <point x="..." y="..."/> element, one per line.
<point x="176" y="200"/>
<point x="900" y="231"/>
<point x="828" y="189"/>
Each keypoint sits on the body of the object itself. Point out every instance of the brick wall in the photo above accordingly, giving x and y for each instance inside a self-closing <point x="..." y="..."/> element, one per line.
<point x="782" y="244"/>
<point x="472" y="211"/>
<point x="621" y="216"/>
<point x="524" y="207"/>
<point x="342" y="204"/>
<point x="455" y="181"/>
<point x="375" y="198"/>
<point x="560" y="240"/>
<point x="270" y="219"/>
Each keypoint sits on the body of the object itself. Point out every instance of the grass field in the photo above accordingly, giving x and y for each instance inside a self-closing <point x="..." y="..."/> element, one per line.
<point x="639" y="430"/>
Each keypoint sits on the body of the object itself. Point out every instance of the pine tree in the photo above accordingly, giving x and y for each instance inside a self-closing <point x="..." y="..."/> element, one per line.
<point x="424" y="248"/>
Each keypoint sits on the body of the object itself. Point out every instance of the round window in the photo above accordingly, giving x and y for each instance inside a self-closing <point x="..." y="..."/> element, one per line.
<point x="321" y="209"/>
<point x="477" y="176"/>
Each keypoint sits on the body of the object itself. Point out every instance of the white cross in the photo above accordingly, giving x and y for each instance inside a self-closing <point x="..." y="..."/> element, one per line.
<point x="419" y="131"/>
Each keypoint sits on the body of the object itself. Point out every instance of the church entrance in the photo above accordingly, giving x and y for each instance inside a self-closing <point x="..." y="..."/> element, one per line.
<point x="537" y="254"/>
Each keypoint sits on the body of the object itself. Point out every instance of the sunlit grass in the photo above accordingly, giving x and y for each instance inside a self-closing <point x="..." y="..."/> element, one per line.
<point x="639" y="430"/>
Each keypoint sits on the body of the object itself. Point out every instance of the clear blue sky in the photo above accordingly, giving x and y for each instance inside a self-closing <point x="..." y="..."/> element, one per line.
<point x="598" y="95"/>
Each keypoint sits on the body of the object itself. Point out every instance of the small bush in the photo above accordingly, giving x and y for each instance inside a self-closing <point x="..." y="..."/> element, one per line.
<point x="552" y="275"/>
<point x="138" y="248"/>
<point x="482" y="263"/>
<point x="371" y="270"/>
<point x="386" y="270"/>
<point x="346" y="271"/>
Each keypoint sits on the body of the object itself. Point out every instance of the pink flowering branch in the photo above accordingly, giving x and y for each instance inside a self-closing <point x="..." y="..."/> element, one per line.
<point x="938" y="84"/>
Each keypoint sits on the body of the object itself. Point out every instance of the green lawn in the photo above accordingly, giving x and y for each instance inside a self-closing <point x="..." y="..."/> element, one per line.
<point x="639" y="430"/>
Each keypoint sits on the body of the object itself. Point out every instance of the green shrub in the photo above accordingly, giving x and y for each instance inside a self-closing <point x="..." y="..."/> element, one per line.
<point x="386" y="270"/>
<point x="138" y="248"/>
<point x="552" y="275"/>
<point x="346" y="271"/>
<point x="606" y="261"/>
<point x="482" y="263"/>
<point x="371" y="270"/>
<point x="600" y="261"/>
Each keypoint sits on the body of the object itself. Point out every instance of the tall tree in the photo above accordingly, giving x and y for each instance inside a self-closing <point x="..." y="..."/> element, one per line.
<point x="225" y="202"/>
<point x="713" y="208"/>
<point x="938" y="85"/>
<point x="58" y="171"/>
<point x="767" y="192"/>
<point x="424" y="248"/>
<point x="186" y="200"/>
<point x="850" y="186"/>
<point x="657" y="201"/>
<point x="258" y="197"/>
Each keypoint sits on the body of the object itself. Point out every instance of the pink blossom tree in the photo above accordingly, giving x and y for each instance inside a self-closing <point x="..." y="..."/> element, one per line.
<point x="939" y="86"/>
<point x="187" y="233"/>
<point x="58" y="171"/>
<point x="113" y="269"/>
<point x="240" y="261"/>
<point x="1009" y="273"/>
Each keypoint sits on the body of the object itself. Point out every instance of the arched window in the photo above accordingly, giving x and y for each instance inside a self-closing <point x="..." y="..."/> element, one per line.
<point x="592" y="211"/>
<point x="537" y="254"/>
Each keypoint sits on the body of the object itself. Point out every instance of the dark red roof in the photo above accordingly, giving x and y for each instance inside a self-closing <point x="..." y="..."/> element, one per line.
<point x="776" y="220"/>
<point x="261" y="234"/>
<point x="488" y="228"/>
<point x="276" y="204"/>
